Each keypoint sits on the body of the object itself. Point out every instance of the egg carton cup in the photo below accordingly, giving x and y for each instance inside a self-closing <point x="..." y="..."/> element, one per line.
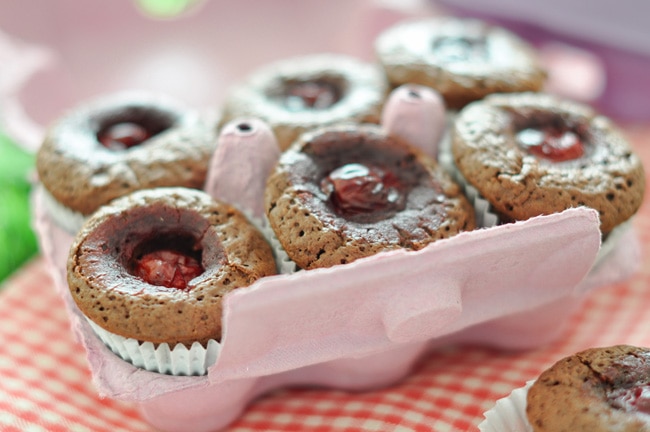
<point x="361" y="325"/>
<point x="161" y="358"/>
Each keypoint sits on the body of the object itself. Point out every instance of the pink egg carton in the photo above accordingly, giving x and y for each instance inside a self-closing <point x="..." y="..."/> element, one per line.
<point x="361" y="325"/>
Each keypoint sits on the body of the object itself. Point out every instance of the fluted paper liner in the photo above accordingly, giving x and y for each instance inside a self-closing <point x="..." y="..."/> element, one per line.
<point x="68" y="219"/>
<point x="485" y="217"/>
<point x="283" y="263"/>
<point x="508" y="414"/>
<point x="161" y="358"/>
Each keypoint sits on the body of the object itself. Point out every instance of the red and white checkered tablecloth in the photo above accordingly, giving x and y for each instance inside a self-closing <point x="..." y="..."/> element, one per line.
<point x="45" y="384"/>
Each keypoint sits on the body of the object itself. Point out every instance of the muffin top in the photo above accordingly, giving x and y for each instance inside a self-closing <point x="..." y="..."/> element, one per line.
<point x="348" y="191"/>
<point x="154" y="265"/>
<point x="530" y="154"/>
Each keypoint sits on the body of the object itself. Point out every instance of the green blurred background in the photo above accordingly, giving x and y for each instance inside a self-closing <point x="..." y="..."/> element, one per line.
<point x="17" y="239"/>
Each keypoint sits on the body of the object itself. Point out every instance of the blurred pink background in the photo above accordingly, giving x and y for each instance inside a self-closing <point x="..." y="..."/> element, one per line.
<point x="66" y="51"/>
<point x="56" y="54"/>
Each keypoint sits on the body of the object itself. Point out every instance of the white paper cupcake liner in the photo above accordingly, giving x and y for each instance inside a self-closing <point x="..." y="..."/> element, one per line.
<point x="283" y="263"/>
<point x="610" y="242"/>
<point x="68" y="219"/>
<point x="178" y="360"/>
<point x="508" y="413"/>
<point x="485" y="217"/>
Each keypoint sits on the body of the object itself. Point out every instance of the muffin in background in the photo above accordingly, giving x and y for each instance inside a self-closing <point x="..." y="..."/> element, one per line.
<point x="117" y="144"/>
<point x="463" y="59"/>
<point x="297" y="94"/>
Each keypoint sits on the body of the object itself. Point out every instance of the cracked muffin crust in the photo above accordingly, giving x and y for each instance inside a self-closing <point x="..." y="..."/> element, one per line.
<point x="154" y="265"/>
<point x="531" y="154"/>
<point x="596" y="390"/>
<point x="463" y="59"/>
<point x="345" y="192"/>
<point x="120" y="143"/>
<point x="301" y="93"/>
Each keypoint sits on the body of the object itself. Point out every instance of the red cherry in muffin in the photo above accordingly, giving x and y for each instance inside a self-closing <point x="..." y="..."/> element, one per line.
<point x="167" y="260"/>
<point x="124" y="135"/>
<point x="636" y="398"/>
<point x="356" y="188"/>
<point x="315" y="95"/>
<point x="626" y="383"/>
<point x="552" y="143"/>
<point x="168" y="268"/>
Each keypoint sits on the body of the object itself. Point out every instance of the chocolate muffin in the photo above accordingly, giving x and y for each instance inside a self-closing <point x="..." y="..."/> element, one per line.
<point x="345" y="192"/>
<point x="155" y="265"/>
<point x="301" y="93"/>
<point x="463" y="59"/>
<point x="117" y="144"/>
<point x="596" y="390"/>
<point x="531" y="154"/>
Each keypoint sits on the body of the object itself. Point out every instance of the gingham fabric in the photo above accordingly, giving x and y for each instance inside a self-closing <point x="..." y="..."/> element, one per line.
<point x="45" y="384"/>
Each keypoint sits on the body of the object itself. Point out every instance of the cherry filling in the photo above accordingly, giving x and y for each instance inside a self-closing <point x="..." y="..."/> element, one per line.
<point x="557" y="144"/>
<point x="356" y="188"/>
<point x="124" y="135"/>
<point x="167" y="262"/>
<point x="636" y="398"/>
<point x="459" y="48"/>
<point x="314" y="95"/>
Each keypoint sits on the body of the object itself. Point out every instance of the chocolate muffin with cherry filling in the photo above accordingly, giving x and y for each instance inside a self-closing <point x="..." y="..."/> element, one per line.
<point x="350" y="191"/>
<point x="301" y="93"/>
<point x="464" y="59"/>
<point x="595" y="390"/>
<point x="155" y="265"/>
<point x="117" y="144"/>
<point x="531" y="154"/>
